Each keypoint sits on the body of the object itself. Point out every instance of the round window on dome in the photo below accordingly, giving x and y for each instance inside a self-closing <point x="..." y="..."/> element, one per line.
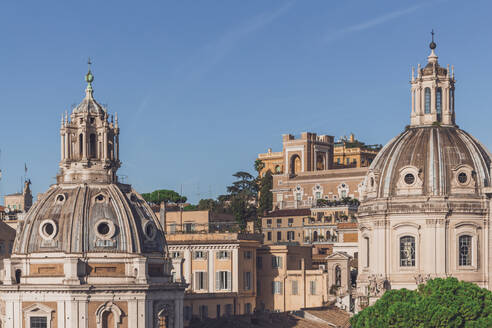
<point x="372" y="182"/>
<point x="48" y="229"/>
<point x="104" y="229"/>
<point x="60" y="198"/>
<point x="409" y="178"/>
<point x="462" y="178"/>
<point x="150" y="230"/>
<point x="100" y="198"/>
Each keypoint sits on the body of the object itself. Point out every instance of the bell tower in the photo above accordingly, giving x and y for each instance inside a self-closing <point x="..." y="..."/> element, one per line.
<point x="432" y="93"/>
<point x="89" y="142"/>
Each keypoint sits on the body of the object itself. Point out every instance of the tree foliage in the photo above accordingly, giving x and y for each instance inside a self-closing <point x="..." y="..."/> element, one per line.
<point x="241" y="198"/>
<point x="265" y="200"/>
<point x="163" y="195"/>
<point x="439" y="303"/>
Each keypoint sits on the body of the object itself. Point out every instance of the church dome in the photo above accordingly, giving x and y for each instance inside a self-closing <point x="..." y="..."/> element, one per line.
<point x="88" y="210"/>
<point x="86" y="218"/>
<point x="432" y="157"/>
<point x="431" y="161"/>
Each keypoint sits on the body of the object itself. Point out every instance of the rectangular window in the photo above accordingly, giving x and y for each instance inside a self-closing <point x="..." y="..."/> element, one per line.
<point x="269" y="223"/>
<point x="175" y="255"/>
<point x="247" y="281"/>
<point x="366" y="239"/>
<point x="247" y="255"/>
<point x="312" y="287"/>
<point x="223" y="255"/>
<point x="187" y="313"/>
<point x="291" y="222"/>
<point x="258" y="287"/>
<point x="172" y="228"/>
<point x="223" y="280"/>
<point x="295" y="288"/>
<point x="173" y="276"/>
<point x="465" y="250"/>
<point x="277" y="287"/>
<point x="39" y="322"/>
<point x="318" y="195"/>
<point x="276" y="262"/>
<point x="280" y="197"/>
<point x="269" y="235"/>
<point x="298" y="196"/>
<point x="200" y="280"/>
<point x="290" y="235"/>
<point x="247" y="308"/>
<point x="259" y="262"/>
<point x="203" y="311"/>
<point x="279" y="235"/>
<point x="199" y="255"/>
<point x="228" y="309"/>
<point x="218" y="310"/>
<point x="188" y="227"/>
<point x="279" y="223"/>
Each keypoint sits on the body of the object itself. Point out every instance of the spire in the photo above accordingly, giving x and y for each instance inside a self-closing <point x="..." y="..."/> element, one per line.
<point x="432" y="57"/>
<point x="89" y="78"/>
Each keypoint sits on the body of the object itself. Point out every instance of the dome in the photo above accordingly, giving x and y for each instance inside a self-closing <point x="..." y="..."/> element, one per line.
<point x="89" y="105"/>
<point x="431" y="161"/>
<point x="86" y="218"/>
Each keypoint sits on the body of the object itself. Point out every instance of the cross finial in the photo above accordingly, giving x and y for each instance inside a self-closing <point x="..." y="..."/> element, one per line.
<point x="90" y="63"/>
<point x="432" y="45"/>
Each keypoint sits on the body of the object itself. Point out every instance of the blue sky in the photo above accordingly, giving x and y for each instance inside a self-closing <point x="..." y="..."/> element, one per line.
<point x="201" y="87"/>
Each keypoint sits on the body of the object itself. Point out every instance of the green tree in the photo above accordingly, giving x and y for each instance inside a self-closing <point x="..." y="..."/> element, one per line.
<point x="439" y="303"/>
<point x="259" y="165"/>
<point x="241" y="198"/>
<point x="265" y="198"/>
<point x="163" y="195"/>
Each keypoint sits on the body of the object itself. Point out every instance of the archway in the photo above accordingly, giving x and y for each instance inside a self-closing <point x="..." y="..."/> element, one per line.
<point x="92" y="146"/>
<point x="295" y="164"/>
<point x="315" y="236"/>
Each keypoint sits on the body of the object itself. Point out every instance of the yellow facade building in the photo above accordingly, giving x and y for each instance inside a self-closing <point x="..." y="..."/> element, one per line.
<point x="350" y="152"/>
<point x="220" y="270"/>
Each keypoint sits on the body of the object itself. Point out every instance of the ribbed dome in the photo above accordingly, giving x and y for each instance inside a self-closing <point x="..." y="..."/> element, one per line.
<point x="429" y="160"/>
<point x="89" y="105"/>
<point x="82" y="218"/>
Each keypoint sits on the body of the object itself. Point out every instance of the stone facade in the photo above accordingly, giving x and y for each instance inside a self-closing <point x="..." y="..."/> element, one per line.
<point x="90" y="252"/>
<point x="425" y="210"/>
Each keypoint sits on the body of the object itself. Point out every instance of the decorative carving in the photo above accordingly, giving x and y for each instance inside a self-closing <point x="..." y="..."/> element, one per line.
<point x="377" y="285"/>
<point x="421" y="278"/>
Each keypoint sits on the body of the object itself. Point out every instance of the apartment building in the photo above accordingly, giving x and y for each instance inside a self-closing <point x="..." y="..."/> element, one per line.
<point x="220" y="270"/>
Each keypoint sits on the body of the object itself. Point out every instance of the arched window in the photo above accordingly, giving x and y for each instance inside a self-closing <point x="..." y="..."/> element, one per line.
<point x="438" y="100"/>
<point x="338" y="276"/>
<point x="427" y="100"/>
<point x="295" y="164"/>
<point x="465" y="250"/>
<point x="451" y="99"/>
<point x="81" y="145"/>
<point x="92" y="146"/>
<point x="315" y="236"/>
<point x="107" y="319"/>
<point x="407" y="251"/>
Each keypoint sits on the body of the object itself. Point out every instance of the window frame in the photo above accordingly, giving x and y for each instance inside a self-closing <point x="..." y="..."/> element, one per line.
<point x="413" y="261"/>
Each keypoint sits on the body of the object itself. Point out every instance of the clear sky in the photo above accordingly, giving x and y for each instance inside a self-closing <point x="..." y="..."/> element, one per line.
<point x="202" y="87"/>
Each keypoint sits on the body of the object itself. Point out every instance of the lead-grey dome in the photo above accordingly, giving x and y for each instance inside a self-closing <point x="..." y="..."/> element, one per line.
<point x="429" y="160"/>
<point x="83" y="218"/>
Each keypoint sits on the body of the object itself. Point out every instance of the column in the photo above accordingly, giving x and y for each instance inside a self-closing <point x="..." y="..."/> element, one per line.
<point x="67" y="145"/>
<point x="60" y="309"/>
<point x="117" y="147"/>
<point x="105" y="145"/>
<point x="84" y="145"/>
<point x="132" y="313"/>
<point x="62" y="145"/>
<point x="235" y="271"/>
<point x="211" y="271"/>
<point x="187" y="266"/>
<point x="141" y="308"/>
